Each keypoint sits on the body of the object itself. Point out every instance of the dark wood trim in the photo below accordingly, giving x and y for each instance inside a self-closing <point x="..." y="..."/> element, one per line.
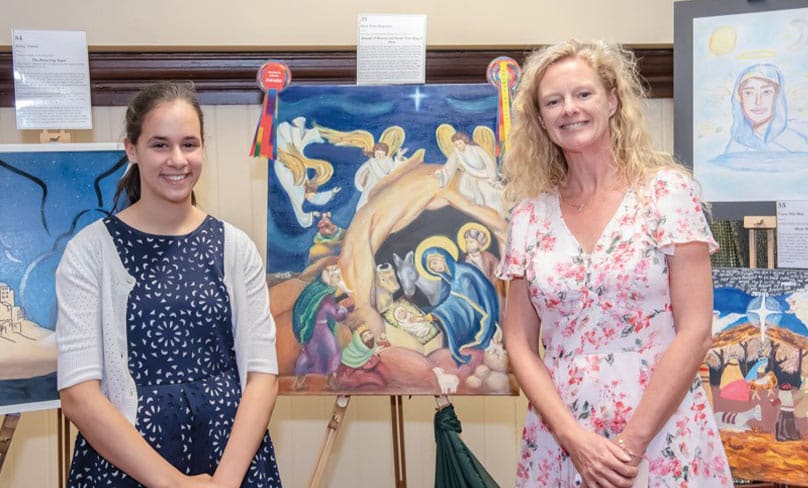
<point x="228" y="77"/>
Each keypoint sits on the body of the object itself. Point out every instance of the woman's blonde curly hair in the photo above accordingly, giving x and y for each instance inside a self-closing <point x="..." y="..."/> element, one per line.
<point x="534" y="164"/>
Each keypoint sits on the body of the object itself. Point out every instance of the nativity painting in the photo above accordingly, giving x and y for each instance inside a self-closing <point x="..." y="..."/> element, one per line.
<point x="750" y="105"/>
<point x="384" y="229"/>
<point x="49" y="192"/>
<point x="756" y="373"/>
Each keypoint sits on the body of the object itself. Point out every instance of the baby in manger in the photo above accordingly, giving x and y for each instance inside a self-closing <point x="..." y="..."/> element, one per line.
<point x="418" y="325"/>
<point x="409" y="327"/>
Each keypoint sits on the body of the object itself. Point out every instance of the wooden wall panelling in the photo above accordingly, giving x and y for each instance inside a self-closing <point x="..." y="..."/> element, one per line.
<point x="228" y="77"/>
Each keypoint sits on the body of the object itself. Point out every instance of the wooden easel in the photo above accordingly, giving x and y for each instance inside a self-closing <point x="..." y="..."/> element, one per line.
<point x="397" y="424"/>
<point x="334" y="423"/>
<point x="7" y="429"/>
<point x="63" y="450"/>
<point x="755" y="224"/>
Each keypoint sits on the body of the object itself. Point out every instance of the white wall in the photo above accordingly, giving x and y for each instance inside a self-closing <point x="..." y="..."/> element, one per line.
<point x="275" y="23"/>
<point x="233" y="187"/>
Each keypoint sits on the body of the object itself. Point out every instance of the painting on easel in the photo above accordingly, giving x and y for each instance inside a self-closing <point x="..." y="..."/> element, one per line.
<point x="384" y="230"/>
<point x="48" y="192"/>
<point x="750" y="110"/>
<point x="757" y="371"/>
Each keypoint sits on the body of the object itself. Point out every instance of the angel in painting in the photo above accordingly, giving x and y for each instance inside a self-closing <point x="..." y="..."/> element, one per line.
<point x="301" y="177"/>
<point x="383" y="156"/>
<point x="473" y="157"/>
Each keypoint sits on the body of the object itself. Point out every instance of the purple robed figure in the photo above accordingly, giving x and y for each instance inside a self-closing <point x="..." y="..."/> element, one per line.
<point x="314" y="320"/>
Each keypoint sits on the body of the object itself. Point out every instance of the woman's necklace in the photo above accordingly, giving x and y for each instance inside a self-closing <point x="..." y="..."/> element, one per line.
<point x="577" y="206"/>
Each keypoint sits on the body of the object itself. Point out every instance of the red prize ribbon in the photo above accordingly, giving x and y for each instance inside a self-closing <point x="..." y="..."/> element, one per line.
<point x="272" y="78"/>
<point x="503" y="72"/>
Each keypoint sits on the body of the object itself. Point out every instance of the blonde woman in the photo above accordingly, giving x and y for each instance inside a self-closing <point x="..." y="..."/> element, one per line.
<point x="608" y="257"/>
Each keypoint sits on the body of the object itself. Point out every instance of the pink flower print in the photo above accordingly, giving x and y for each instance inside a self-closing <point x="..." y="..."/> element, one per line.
<point x="620" y="416"/>
<point x="546" y="243"/>
<point x="575" y="378"/>
<point x="661" y="188"/>
<point x="522" y="471"/>
<point x="645" y="376"/>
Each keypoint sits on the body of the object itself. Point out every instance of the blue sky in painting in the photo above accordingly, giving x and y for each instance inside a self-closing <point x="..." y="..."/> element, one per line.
<point x="733" y="300"/>
<point x="418" y="109"/>
<point x="46" y="197"/>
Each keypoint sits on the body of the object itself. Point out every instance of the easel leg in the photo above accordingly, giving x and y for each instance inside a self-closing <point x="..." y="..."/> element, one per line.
<point x="337" y="414"/>
<point x="6" y="434"/>
<point x="63" y="451"/>
<point x="399" y="456"/>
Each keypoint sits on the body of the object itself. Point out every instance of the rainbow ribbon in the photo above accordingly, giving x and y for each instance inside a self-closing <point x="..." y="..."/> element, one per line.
<point x="503" y="72"/>
<point x="264" y="139"/>
<point x="272" y="78"/>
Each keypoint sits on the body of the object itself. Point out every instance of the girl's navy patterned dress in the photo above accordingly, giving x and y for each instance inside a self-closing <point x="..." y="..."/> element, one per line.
<point x="181" y="356"/>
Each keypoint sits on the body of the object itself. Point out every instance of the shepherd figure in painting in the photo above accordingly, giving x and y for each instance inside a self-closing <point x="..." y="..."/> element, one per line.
<point x="314" y="320"/>
<point x="361" y="365"/>
<point x="327" y="240"/>
<point x="474" y="240"/>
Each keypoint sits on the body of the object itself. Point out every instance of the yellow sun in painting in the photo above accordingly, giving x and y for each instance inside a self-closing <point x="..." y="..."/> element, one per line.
<point x="722" y="40"/>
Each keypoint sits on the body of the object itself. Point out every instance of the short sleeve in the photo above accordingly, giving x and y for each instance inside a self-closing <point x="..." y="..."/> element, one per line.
<point x="260" y="325"/>
<point x="512" y="263"/>
<point x="679" y="213"/>
<point x="78" y="323"/>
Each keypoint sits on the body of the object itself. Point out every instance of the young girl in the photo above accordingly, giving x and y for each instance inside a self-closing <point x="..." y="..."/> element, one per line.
<point x="167" y="359"/>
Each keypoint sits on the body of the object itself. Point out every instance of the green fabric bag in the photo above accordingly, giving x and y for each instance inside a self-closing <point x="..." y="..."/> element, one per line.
<point x="456" y="466"/>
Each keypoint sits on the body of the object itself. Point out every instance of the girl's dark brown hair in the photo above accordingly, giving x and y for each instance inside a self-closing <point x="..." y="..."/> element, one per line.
<point x="140" y="106"/>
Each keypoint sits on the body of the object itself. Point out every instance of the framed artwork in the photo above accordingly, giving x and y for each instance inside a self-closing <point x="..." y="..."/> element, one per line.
<point x="384" y="231"/>
<point x="741" y="91"/>
<point x="48" y="192"/>
<point x="755" y="373"/>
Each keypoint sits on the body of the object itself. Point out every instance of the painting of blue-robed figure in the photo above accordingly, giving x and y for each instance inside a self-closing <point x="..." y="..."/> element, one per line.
<point x="750" y="105"/>
<point x="48" y="192"/>
<point x="384" y="230"/>
<point x="756" y="372"/>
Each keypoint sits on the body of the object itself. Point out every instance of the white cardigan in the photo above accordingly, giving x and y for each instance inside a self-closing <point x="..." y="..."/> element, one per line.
<point x="92" y="290"/>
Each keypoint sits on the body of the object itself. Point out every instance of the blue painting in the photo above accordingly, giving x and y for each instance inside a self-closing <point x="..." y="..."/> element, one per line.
<point x="750" y="105"/>
<point x="384" y="227"/>
<point x="48" y="193"/>
<point x="757" y="371"/>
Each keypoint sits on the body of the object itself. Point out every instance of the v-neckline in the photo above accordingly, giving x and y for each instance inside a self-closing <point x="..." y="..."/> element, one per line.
<point x="603" y="232"/>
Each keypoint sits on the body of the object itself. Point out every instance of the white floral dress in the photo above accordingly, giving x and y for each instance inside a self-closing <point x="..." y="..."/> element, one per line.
<point x="606" y="321"/>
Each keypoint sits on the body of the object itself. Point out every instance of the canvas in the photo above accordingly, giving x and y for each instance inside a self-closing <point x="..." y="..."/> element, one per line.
<point x="384" y="229"/>
<point x="737" y="154"/>
<point x="48" y="192"/>
<point x="750" y="110"/>
<point x="755" y="372"/>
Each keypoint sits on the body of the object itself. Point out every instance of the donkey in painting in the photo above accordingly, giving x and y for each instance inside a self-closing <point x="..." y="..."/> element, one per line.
<point x="410" y="279"/>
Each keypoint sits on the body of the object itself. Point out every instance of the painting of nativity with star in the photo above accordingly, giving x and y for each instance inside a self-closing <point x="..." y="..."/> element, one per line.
<point x="384" y="229"/>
